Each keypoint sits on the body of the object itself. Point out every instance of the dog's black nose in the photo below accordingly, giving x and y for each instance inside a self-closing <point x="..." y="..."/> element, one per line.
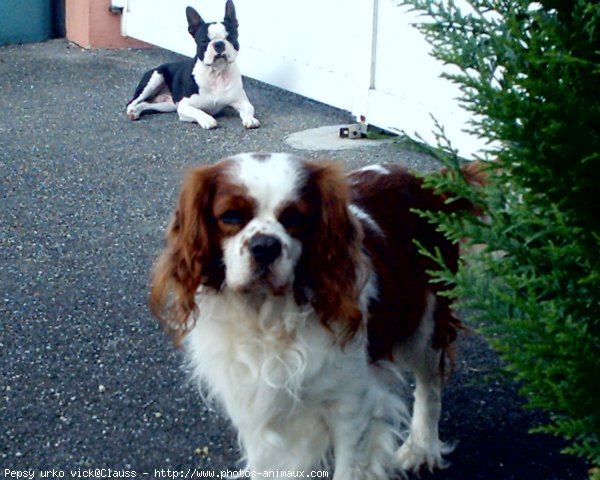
<point x="265" y="249"/>
<point x="219" y="46"/>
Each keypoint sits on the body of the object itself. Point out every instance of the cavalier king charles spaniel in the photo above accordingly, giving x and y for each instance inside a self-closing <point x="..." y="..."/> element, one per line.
<point x="296" y="292"/>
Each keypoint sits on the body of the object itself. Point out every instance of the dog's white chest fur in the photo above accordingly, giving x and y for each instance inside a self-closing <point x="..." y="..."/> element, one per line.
<point x="280" y="376"/>
<point x="218" y="88"/>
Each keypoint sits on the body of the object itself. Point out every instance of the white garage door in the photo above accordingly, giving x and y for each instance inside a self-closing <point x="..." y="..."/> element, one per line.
<point x="358" y="55"/>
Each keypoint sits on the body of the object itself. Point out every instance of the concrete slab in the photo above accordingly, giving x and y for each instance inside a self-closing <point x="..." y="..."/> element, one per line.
<point x="328" y="138"/>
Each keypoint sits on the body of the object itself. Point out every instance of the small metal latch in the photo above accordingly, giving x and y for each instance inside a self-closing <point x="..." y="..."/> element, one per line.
<point x="117" y="6"/>
<point x="352" y="131"/>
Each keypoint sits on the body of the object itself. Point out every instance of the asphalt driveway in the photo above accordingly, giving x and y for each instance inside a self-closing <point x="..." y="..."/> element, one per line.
<point x="87" y="378"/>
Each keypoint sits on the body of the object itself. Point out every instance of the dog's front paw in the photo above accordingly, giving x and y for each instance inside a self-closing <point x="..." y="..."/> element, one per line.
<point x="132" y="113"/>
<point x="250" y="122"/>
<point x="207" y="123"/>
<point x="412" y="456"/>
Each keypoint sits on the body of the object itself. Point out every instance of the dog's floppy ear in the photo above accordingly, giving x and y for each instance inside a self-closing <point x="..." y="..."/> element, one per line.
<point x="192" y="255"/>
<point x="230" y="16"/>
<point x="331" y="264"/>
<point x="194" y="20"/>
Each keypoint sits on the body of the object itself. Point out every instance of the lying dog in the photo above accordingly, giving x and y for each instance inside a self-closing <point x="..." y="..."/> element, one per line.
<point x="291" y="286"/>
<point x="200" y="87"/>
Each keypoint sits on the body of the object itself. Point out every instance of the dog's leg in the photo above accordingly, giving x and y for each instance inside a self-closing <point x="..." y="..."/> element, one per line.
<point x="347" y="430"/>
<point x="423" y="446"/>
<point x="246" y="111"/>
<point x="188" y="113"/>
<point x="364" y="433"/>
<point x="162" y="107"/>
<point x="151" y="84"/>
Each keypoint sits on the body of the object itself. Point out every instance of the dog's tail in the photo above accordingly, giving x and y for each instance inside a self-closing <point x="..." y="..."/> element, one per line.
<point x="476" y="172"/>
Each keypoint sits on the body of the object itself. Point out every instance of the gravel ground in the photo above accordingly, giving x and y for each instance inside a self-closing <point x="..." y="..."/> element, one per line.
<point x="88" y="380"/>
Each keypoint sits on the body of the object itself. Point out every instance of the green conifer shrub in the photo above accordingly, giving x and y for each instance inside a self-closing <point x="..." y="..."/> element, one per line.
<point x="530" y="74"/>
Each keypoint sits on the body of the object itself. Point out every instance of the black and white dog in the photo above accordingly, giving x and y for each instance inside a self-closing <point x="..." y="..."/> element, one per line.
<point x="200" y="87"/>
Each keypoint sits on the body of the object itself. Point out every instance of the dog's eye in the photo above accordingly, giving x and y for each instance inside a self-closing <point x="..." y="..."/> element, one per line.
<point x="232" y="217"/>
<point x="292" y="219"/>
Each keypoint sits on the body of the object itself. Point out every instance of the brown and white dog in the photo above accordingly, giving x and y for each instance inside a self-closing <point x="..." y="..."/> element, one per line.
<point x="294" y="289"/>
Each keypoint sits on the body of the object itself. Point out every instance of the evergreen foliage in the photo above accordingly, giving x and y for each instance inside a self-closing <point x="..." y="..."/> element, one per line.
<point x="530" y="74"/>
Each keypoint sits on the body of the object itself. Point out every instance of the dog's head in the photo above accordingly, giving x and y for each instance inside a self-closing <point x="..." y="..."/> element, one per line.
<point x="216" y="42"/>
<point x="261" y="225"/>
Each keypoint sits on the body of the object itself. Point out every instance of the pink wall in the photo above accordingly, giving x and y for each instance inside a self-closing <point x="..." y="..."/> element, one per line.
<point x="90" y="24"/>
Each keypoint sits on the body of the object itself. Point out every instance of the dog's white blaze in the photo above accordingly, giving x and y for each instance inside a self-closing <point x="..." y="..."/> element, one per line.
<point x="217" y="31"/>
<point x="271" y="181"/>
